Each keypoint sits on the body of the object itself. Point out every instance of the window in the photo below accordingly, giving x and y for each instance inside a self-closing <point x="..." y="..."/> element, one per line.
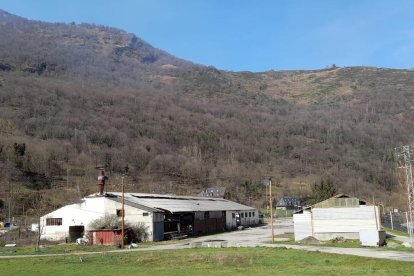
<point x="119" y="212"/>
<point x="145" y="214"/>
<point x="245" y="214"/>
<point x="250" y="214"/>
<point x="233" y="215"/>
<point x="253" y="214"/>
<point x="242" y="215"/>
<point x="53" y="221"/>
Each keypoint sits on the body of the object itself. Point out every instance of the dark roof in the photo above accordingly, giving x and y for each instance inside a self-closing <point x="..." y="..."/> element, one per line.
<point x="213" y="192"/>
<point x="288" y="201"/>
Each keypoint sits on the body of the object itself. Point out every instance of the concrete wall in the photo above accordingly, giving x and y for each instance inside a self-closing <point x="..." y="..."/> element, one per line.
<point x="251" y="219"/>
<point x="230" y="220"/>
<point x="329" y="223"/>
<point x="302" y="225"/>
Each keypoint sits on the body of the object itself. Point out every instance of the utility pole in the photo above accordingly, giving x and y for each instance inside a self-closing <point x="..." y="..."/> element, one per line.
<point x="271" y="209"/>
<point x="123" y="213"/>
<point x="10" y="202"/>
<point x="404" y="153"/>
<point x="67" y="178"/>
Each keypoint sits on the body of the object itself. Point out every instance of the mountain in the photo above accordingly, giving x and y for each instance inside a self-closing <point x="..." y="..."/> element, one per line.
<point x="74" y="97"/>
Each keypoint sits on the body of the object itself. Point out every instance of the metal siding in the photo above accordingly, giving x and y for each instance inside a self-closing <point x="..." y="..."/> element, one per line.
<point x="216" y="214"/>
<point x="158" y="231"/>
<point x="302" y="225"/>
<point x="105" y="237"/>
<point x="209" y="225"/>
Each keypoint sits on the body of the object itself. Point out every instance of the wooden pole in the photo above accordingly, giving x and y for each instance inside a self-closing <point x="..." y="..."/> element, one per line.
<point x="375" y="213"/>
<point x="267" y="205"/>
<point x="271" y="210"/>
<point x="123" y="213"/>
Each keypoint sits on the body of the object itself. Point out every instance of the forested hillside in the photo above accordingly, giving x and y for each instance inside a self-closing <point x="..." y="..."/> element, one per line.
<point x="74" y="97"/>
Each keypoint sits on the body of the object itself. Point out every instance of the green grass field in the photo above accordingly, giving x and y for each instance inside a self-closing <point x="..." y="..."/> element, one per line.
<point x="69" y="248"/>
<point x="346" y="243"/>
<point x="206" y="261"/>
<point x="396" y="232"/>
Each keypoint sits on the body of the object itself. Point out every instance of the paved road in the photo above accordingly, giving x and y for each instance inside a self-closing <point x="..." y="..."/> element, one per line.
<point x="254" y="237"/>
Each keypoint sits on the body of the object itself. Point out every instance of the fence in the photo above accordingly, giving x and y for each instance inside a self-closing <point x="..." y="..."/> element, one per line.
<point x="395" y="220"/>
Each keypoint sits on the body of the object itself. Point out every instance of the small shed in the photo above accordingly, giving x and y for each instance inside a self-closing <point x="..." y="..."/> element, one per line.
<point x="105" y="236"/>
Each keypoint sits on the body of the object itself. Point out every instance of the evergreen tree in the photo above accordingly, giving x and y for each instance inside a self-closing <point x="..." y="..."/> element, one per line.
<point x="323" y="190"/>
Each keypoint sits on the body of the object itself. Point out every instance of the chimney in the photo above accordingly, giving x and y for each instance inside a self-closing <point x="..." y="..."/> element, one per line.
<point x="101" y="182"/>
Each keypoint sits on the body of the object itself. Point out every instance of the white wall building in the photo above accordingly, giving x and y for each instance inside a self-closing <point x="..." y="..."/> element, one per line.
<point x="339" y="216"/>
<point x="161" y="214"/>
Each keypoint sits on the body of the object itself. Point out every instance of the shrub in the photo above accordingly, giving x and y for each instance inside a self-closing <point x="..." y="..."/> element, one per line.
<point x="106" y="222"/>
<point x="138" y="232"/>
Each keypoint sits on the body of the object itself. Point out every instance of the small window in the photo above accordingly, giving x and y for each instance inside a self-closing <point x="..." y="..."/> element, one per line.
<point x="253" y="214"/>
<point x="206" y="215"/>
<point x="245" y="214"/>
<point x="250" y="214"/>
<point x="242" y="215"/>
<point x="145" y="214"/>
<point x="119" y="212"/>
<point x="233" y="215"/>
<point x="53" y="221"/>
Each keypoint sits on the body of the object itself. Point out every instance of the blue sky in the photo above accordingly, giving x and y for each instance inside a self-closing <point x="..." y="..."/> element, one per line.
<point x="252" y="35"/>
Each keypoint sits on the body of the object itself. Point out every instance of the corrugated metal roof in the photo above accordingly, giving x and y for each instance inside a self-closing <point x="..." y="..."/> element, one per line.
<point x="176" y="204"/>
<point x="128" y="201"/>
<point x="339" y="200"/>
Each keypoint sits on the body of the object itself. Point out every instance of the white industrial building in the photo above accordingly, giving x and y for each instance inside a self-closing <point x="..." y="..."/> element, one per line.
<point x="339" y="216"/>
<point x="161" y="214"/>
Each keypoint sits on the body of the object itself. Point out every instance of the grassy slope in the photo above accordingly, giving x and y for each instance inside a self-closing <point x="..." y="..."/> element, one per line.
<point x="230" y="261"/>
<point x="396" y="232"/>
